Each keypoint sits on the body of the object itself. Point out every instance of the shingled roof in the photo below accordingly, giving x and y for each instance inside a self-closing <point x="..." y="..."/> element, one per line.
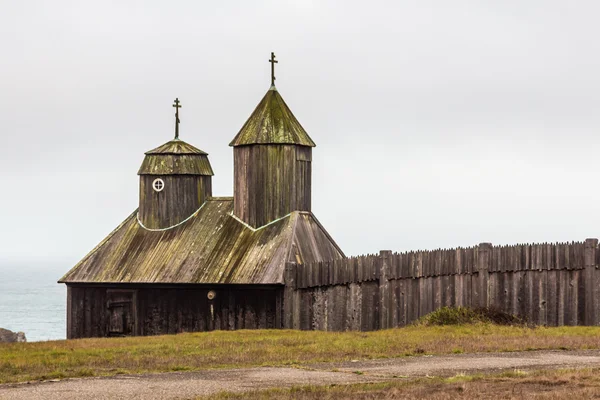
<point x="272" y="122"/>
<point x="176" y="157"/>
<point x="211" y="247"/>
<point x="176" y="146"/>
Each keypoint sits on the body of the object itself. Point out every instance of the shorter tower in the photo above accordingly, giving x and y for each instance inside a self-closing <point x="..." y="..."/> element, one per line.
<point x="175" y="180"/>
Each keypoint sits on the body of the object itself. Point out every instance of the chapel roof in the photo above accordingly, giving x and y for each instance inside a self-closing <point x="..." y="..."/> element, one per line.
<point x="212" y="247"/>
<point x="272" y="122"/>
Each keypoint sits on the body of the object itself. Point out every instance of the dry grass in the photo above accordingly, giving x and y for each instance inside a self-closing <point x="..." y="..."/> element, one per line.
<point x="194" y="351"/>
<point x="561" y="384"/>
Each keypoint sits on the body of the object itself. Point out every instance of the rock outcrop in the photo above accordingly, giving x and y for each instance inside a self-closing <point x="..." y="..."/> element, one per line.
<point x="7" y="336"/>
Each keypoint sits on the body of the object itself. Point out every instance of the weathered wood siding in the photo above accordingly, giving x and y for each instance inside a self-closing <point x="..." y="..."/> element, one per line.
<point x="548" y="284"/>
<point x="122" y="310"/>
<point x="271" y="181"/>
<point x="181" y="197"/>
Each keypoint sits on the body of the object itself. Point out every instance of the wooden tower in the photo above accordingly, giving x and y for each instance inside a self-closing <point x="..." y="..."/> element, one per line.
<point x="175" y="180"/>
<point x="272" y="157"/>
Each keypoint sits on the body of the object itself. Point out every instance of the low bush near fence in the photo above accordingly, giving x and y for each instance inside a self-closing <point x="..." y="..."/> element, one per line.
<point x="467" y="315"/>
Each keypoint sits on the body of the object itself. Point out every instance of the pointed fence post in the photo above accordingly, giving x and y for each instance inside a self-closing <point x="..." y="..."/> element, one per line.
<point x="590" y="279"/>
<point x="484" y="256"/>
<point x="384" y="288"/>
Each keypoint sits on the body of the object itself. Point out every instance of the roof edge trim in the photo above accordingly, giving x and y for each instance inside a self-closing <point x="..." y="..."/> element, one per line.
<point x="170" y="227"/>
<point x="260" y="227"/>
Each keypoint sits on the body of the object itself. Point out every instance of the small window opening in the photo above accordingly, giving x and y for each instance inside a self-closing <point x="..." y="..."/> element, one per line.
<point x="158" y="185"/>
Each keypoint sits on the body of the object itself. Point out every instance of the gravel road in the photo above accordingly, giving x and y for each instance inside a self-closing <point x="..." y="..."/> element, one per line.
<point x="185" y="385"/>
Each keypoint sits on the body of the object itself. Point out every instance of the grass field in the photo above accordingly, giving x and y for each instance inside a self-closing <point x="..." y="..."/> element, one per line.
<point x="553" y="384"/>
<point x="194" y="351"/>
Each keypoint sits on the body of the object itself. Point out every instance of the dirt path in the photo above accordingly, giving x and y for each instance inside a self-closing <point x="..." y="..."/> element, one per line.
<point x="187" y="385"/>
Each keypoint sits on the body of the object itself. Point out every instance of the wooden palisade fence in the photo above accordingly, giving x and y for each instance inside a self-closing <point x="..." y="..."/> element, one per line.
<point x="548" y="284"/>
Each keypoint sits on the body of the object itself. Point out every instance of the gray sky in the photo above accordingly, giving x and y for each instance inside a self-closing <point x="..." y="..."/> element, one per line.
<point x="437" y="123"/>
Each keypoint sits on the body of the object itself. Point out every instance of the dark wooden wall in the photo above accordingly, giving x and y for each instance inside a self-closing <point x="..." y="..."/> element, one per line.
<point x="270" y="181"/>
<point x="121" y="310"/>
<point x="180" y="198"/>
<point x="547" y="284"/>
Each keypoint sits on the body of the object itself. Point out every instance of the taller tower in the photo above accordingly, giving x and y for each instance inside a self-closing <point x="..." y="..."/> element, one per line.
<point x="175" y="180"/>
<point x="272" y="157"/>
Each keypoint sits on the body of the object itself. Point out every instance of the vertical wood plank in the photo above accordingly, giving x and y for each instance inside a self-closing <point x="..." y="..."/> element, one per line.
<point x="591" y="305"/>
<point x="384" y="289"/>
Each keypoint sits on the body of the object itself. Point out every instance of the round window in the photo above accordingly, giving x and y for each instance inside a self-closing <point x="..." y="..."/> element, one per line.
<point x="158" y="185"/>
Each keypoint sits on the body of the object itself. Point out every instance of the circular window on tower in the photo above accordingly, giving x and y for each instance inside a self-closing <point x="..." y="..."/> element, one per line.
<point x="158" y="185"/>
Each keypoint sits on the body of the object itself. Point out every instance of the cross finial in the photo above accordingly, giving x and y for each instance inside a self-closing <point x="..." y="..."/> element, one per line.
<point x="177" y="107"/>
<point x="273" y="62"/>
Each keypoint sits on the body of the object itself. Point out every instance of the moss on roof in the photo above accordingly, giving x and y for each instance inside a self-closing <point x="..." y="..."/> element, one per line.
<point x="176" y="157"/>
<point x="176" y="146"/>
<point x="211" y="247"/>
<point x="171" y="164"/>
<point x="272" y="122"/>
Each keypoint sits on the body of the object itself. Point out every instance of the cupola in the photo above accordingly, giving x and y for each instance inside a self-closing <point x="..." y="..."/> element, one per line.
<point x="175" y="181"/>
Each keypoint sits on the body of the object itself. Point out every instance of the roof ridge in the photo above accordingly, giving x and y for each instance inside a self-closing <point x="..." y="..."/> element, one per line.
<point x="293" y="237"/>
<point x="325" y="232"/>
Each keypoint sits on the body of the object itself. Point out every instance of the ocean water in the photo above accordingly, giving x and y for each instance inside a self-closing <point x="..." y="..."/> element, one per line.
<point x="31" y="301"/>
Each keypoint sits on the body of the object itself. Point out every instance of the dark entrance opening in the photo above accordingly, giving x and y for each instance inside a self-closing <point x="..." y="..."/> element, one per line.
<point x="121" y="312"/>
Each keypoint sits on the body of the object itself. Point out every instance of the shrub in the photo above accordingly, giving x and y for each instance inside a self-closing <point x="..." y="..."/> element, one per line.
<point x="466" y="315"/>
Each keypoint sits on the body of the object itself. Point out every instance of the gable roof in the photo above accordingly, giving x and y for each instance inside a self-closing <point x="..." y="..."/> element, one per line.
<point x="272" y="122"/>
<point x="211" y="247"/>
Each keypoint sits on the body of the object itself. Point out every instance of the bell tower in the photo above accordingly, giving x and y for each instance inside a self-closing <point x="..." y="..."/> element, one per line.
<point x="272" y="156"/>
<point x="175" y="181"/>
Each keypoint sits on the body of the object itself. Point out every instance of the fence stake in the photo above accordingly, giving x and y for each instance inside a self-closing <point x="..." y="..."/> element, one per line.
<point x="384" y="288"/>
<point x="591" y="301"/>
<point x="484" y="254"/>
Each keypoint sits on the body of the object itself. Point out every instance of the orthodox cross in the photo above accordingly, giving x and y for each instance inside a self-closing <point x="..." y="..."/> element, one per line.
<point x="177" y="107"/>
<point x="273" y="62"/>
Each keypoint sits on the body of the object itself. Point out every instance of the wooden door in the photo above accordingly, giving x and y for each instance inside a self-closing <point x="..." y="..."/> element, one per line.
<point x="121" y="308"/>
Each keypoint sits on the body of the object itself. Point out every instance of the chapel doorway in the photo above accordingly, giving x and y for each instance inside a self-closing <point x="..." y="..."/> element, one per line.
<point x="121" y="312"/>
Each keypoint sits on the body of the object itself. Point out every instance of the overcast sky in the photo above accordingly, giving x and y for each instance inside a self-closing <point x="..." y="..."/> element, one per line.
<point x="437" y="123"/>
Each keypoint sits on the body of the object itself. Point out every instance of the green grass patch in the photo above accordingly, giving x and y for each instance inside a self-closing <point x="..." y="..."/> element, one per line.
<point x="247" y="348"/>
